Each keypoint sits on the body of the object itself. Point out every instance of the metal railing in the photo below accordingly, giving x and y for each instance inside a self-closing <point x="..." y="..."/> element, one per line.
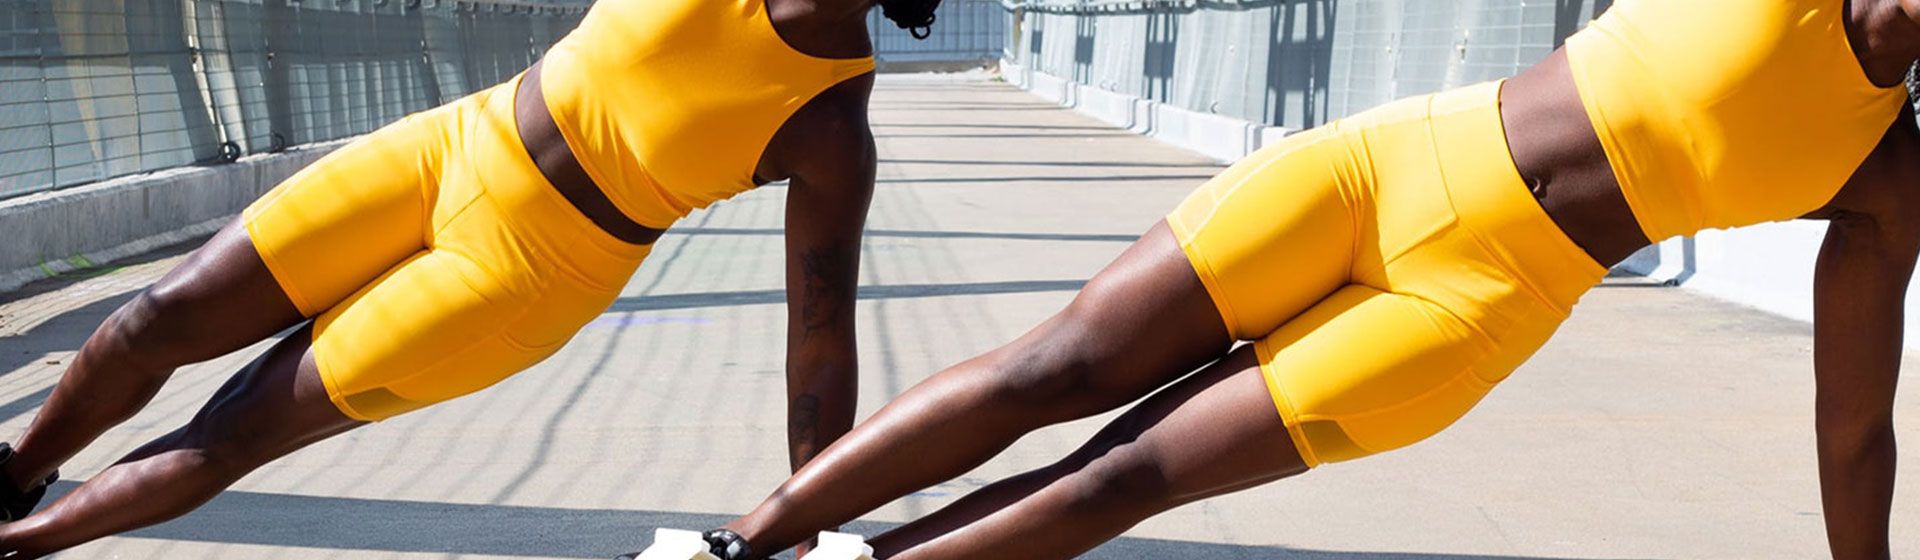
<point x="966" y="31"/>
<point x="95" y="89"/>
<point x="1291" y="63"/>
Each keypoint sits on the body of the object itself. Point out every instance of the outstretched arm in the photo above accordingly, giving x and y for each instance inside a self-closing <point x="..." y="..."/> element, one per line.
<point x="1860" y="288"/>
<point x="826" y="213"/>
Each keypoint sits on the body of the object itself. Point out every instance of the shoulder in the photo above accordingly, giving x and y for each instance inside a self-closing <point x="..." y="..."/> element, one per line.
<point x="841" y="107"/>
<point x="830" y="137"/>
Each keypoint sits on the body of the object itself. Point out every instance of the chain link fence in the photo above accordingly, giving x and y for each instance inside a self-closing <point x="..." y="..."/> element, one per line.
<point x="94" y="89"/>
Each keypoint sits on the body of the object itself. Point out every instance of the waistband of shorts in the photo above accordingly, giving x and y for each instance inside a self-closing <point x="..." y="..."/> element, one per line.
<point x="496" y="106"/>
<point x="1492" y="200"/>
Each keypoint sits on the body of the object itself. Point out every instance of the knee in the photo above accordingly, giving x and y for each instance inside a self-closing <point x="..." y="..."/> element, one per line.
<point x="1049" y="367"/>
<point x="144" y="330"/>
<point x="1065" y="365"/>
<point x="201" y="465"/>
<point x="1126" y="477"/>
<point x="220" y="452"/>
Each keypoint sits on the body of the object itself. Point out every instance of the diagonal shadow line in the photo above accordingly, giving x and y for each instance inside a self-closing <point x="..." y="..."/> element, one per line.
<point x="68" y="330"/>
<point x="544" y="449"/>
<point x="910" y="234"/>
<point x="896" y="291"/>
<point x="16" y="407"/>
<point x="62" y="333"/>
<point x="329" y="523"/>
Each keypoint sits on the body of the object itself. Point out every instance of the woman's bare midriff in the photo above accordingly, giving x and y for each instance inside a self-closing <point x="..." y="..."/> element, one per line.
<point x="1557" y="152"/>
<point x="550" y="153"/>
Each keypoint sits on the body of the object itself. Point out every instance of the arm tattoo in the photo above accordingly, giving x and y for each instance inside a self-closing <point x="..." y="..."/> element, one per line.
<point x="823" y="289"/>
<point x="803" y="421"/>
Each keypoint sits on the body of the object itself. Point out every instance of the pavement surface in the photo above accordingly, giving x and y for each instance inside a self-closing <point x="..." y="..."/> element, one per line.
<point x="1658" y="424"/>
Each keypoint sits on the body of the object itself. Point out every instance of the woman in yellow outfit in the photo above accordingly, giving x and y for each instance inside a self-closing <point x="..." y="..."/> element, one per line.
<point x="1392" y="267"/>
<point x="460" y="245"/>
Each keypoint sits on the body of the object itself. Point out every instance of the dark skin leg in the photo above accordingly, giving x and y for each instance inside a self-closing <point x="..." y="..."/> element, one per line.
<point x="1211" y="434"/>
<point x="220" y="300"/>
<point x="1138" y="325"/>
<point x="273" y="407"/>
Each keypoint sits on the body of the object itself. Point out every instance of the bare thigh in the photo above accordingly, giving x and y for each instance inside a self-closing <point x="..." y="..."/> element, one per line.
<point x="1142" y="322"/>
<point x="221" y="299"/>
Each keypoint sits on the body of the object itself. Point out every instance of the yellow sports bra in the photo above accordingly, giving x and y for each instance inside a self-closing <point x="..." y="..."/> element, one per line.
<point x="1723" y="113"/>
<point x="668" y="104"/>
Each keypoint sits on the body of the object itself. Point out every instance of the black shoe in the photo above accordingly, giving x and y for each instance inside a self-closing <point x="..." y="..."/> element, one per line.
<point x="725" y="544"/>
<point x="728" y="545"/>
<point x="16" y="503"/>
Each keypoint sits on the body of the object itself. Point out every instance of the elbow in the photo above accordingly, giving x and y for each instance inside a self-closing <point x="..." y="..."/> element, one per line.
<point x="823" y="379"/>
<point x="1858" y="436"/>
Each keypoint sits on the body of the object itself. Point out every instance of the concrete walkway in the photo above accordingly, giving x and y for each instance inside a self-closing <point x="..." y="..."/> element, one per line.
<point x="1657" y="425"/>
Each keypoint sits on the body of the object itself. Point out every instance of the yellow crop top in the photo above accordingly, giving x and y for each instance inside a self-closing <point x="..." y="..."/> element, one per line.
<point x="1723" y="113"/>
<point x="668" y="104"/>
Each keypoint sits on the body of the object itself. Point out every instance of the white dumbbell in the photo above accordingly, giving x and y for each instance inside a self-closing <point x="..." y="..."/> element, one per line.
<point x="675" y="544"/>
<point x="841" y="546"/>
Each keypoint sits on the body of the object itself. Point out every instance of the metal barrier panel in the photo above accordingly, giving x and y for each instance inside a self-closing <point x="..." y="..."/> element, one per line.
<point x="93" y="89"/>
<point x="96" y="88"/>
<point x="1292" y="63"/>
<point x="26" y="141"/>
<point x="964" y="31"/>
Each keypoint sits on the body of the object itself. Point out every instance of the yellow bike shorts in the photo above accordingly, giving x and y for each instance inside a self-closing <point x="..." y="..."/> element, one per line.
<point x="1391" y="268"/>
<point x="435" y="258"/>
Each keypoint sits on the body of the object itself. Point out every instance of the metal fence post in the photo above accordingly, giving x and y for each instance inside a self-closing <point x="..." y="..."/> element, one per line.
<point x="276" y="83"/>
<point x="46" y="94"/>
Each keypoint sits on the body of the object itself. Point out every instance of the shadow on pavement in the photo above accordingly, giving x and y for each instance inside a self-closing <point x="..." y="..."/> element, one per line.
<point x="62" y="333"/>
<point x="58" y="334"/>
<point x="316" y="522"/>
<point x="66" y="331"/>
<point x="69" y="278"/>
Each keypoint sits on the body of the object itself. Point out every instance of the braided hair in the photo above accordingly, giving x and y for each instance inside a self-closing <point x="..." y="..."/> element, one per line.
<point x="1913" y="86"/>
<point x="915" y="16"/>
<point x="1913" y="82"/>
